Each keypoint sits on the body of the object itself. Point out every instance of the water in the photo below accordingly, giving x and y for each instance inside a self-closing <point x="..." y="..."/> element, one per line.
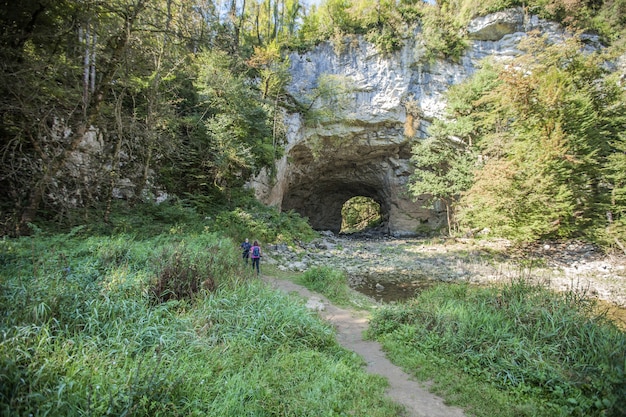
<point x="390" y="288"/>
<point x="614" y="313"/>
<point x="393" y="288"/>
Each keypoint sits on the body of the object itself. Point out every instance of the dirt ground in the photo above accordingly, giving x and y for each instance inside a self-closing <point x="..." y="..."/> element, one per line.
<point x="350" y="325"/>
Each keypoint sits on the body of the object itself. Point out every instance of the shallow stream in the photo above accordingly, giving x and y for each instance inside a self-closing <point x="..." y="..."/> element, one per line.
<point x="390" y="288"/>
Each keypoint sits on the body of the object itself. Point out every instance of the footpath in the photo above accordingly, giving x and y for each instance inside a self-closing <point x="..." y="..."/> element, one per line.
<point x="350" y="325"/>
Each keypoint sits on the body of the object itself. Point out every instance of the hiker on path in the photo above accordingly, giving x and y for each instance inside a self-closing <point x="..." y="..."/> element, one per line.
<point x="255" y="254"/>
<point x="245" y="246"/>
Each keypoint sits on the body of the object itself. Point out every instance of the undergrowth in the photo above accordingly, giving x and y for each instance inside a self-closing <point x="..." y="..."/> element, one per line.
<point x="121" y="325"/>
<point x="515" y="350"/>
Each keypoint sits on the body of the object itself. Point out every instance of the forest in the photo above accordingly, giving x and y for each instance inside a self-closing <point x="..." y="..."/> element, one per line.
<point x="186" y="99"/>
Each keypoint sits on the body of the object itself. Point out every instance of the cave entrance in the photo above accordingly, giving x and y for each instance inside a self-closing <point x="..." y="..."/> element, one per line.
<point x="360" y="213"/>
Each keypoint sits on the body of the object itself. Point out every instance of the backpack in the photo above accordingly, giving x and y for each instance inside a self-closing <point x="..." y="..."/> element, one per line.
<point x="255" y="252"/>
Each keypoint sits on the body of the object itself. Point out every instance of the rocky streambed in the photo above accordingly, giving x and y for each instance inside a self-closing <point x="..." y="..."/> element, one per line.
<point x="392" y="269"/>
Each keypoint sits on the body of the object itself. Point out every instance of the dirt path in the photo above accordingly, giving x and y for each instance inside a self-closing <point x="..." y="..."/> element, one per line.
<point x="350" y="326"/>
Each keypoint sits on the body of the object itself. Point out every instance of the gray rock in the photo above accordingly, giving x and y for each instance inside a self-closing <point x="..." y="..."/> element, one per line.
<point x="358" y="141"/>
<point x="495" y="26"/>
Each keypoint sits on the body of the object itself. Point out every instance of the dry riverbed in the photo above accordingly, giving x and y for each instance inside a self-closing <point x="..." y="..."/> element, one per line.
<point x="391" y="269"/>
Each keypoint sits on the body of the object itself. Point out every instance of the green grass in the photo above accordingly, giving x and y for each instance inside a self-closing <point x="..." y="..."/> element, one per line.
<point x="333" y="284"/>
<point x="516" y="350"/>
<point x="121" y="325"/>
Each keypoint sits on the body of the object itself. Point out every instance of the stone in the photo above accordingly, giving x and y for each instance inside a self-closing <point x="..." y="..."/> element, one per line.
<point x="363" y="146"/>
<point x="495" y="26"/>
<point x="315" y="304"/>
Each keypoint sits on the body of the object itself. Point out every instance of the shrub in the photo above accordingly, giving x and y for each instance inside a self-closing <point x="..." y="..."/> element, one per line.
<point x="264" y="224"/>
<point x="181" y="276"/>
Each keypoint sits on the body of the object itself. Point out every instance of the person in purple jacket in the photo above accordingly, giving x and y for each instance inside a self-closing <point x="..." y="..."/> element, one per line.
<point x="255" y="255"/>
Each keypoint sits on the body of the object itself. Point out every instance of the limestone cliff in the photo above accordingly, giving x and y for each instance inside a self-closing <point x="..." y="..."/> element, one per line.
<point x="362" y="146"/>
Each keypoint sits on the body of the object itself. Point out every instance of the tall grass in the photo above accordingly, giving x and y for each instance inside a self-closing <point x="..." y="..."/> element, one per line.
<point x="541" y="352"/>
<point x="264" y="224"/>
<point x="333" y="283"/>
<point x="328" y="281"/>
<point x="84" y="332"/>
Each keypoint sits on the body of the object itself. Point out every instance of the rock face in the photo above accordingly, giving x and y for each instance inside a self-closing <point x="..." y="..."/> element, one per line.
<point x="362" y="146"/>
<point x="494" y="26"/>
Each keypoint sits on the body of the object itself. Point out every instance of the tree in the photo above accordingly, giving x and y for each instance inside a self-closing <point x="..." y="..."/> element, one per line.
<point x="443" y="169"/>
<point x="49" y="76"/>
<point x="549" y="128"/>
<point x="82" y="74"/>
<point x="233" y="138"/>
<point x="445" y="162"/>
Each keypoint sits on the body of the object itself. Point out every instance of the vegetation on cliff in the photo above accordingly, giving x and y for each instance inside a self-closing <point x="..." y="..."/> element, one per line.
<point x="533" y="148"/>
<point x="140" y="100"/>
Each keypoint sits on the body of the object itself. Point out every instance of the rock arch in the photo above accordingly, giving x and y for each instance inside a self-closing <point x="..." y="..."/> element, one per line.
<point x="319" y="175"/>
<point x="363" y="146"/>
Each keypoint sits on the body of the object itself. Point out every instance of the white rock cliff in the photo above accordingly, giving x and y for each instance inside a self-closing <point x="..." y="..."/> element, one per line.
<point x="364" y="147"/>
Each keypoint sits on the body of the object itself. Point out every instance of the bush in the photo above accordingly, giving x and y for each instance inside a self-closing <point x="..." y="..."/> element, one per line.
<point x="182" y="275"/>
<point x="264" y="224"/>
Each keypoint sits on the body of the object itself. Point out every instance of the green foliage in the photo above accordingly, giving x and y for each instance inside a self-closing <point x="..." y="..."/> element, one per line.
<point x="80" y="335"/>
<point x="265" y="224"/>
<point x="359" y="213"/>
<point x="440" y="35"/>
<point x="330" y="282"/>
<point x="236" y="123"/>
<point x="610" y="20"/>
<point x="445" y="162"/>
<point x="383" y="23"/>
<point x="444" y="169"/>
<point x="462" y="11"/>
<point x="548" y="352"/>
<point x="328" y="101"/>
<point x="543" y="129"/>
<point x="615" y="233"/>
<point x="188" y="96"/>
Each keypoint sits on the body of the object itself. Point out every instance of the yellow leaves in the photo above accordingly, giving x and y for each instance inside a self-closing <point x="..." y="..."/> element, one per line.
<point x="264" y="56"/>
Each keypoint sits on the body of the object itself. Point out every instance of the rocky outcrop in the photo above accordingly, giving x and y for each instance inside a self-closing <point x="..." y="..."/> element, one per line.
<point x="495" y="26"/>
<point x="362" y="146"/>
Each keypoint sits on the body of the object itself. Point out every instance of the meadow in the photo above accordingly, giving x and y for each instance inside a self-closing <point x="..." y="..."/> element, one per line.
<point x="168" y="324"/>
<point x="161" y="317"/>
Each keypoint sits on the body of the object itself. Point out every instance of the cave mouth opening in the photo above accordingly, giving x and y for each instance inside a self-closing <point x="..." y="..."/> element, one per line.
<point x="359" y="214"/>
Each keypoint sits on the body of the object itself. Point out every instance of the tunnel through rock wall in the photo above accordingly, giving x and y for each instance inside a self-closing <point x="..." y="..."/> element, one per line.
<point x="385" y="101"/>
<point x="322" y="174"/>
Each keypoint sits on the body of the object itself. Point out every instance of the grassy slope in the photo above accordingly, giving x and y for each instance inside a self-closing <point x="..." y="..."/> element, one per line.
<point x="83" y="332"/>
